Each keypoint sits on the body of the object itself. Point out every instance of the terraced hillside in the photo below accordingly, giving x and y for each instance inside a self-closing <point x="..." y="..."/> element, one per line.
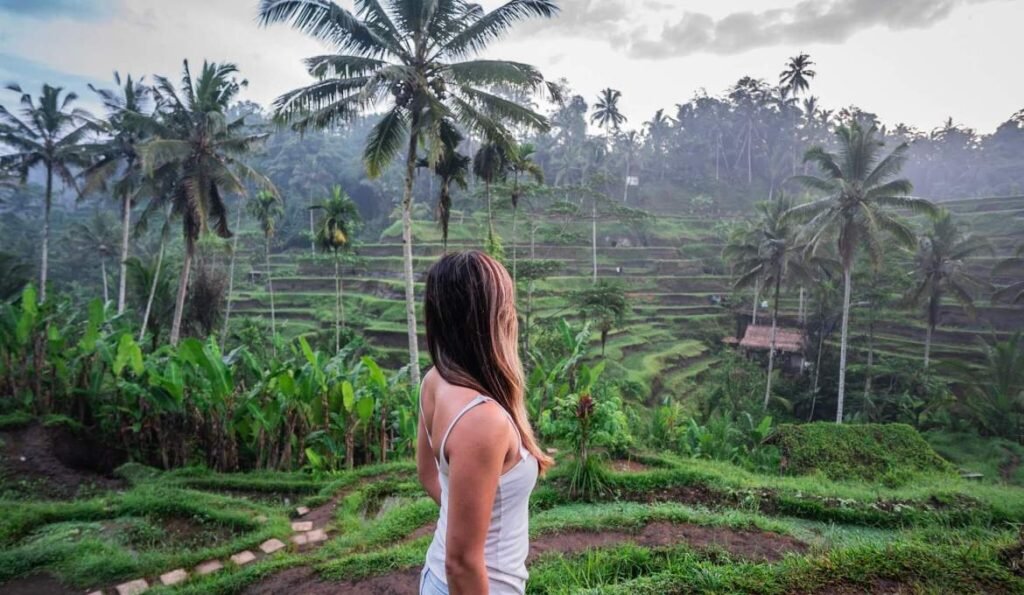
<point x="671" y="274"/>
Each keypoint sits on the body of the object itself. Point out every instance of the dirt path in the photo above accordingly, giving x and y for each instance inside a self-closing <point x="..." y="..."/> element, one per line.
<point x="750" y="545"/>
<point x="36" y="584"/>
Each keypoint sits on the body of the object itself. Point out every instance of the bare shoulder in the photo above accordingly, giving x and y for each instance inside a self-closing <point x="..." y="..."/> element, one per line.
<point x="482" y="428"/>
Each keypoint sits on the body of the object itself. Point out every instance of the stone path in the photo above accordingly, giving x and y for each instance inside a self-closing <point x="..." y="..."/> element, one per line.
<point x="304" y="534"/>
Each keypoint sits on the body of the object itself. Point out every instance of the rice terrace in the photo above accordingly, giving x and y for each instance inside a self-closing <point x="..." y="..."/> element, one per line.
<point x="773" y="342"/>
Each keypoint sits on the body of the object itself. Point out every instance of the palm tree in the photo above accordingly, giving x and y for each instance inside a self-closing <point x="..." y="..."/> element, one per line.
<point x="490" y="164"/>
<point x="941" y="270"/>
<point x="334" y="234"/>
<point x="606" y="110"/>
<point x="797" y="76"/>
<point x="742" y="247"/>
<point x="49" y="134"/>
<point x="777" y="259"/>
<point x="197" y="147"/>
<point x="1011" y="266"/>
<point x="630" y="144"/>
<point x="521" y="163"/>
<point x="118" y="158"/>
<point x="266" y="209"/>
<point x="861" y="190"/>
<point x="659" y="128"/>
<point x="418" y="60"/>
<point x="993" y="393"/>
<point x="96" y="236"/>
<point x="452" y="168"/>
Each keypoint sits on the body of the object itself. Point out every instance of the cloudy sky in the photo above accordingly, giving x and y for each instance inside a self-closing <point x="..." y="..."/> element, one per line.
<point x="913" y="61"/>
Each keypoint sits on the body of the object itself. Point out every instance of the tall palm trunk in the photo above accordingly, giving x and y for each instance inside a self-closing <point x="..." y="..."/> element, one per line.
<point x="515" y="213"/>
<point x="231" y="279"/>
<point x="179" y="302"/>
<point x="126" y="224"/>
<point x="152" y="286"/>
<point x="103" y="273"/>
<point x="933" y="307"/>
<point x="270" y="288"/>
<point x="928" y="345"/>
<point x="312" y="234"/>
<point x="410" y="292"/>
<point x="800" y="309"/>
<point x="593" y="234"/>
<point x="337" y="304"/>
<point x="490" y="216"/>
<point x="817" y="370"/>
<point x="625" y="192"/>
<point x="771" y="342"/>
<point x="847" y="290"/>
<point x="44" y="266"/>
<point x="868" y="375"/>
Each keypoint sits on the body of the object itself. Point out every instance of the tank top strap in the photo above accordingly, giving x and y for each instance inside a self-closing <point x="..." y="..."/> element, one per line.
<point x="444" y="439"/>
<point x="422" y="419"/>
<point x="511" y="422"/>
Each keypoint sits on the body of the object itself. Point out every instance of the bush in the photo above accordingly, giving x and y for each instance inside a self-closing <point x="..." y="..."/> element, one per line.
<point x="869" y="452"/>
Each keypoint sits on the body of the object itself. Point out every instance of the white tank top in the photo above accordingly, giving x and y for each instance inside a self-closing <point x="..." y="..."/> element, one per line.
<point x="508" y="537"/>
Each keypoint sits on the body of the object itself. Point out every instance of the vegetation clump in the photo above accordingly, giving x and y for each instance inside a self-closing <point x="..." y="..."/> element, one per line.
<point x="870" y="452"/>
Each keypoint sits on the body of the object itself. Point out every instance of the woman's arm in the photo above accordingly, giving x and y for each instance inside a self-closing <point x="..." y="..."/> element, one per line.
<point x="476" y="451"/>
<point x="426" y="465"/>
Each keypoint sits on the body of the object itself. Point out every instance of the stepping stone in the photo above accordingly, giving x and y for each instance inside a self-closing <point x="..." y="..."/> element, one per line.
<point x="302" y="511"/>
<point x="300" y="539"/>
<point x="302" y="526"/>
<point x="209" y="567"/>
<point x="134" y="587"/>
<point x="243" y="558"/>
<point x="173" y="577"/>
<point x="316" y="536"/>
<point x="96" y="593"/>
<point x="271" y="545"/>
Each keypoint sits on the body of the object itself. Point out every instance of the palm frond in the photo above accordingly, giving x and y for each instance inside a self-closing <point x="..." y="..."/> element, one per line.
<point x="325" y="21"/>
<point x="385" y="141"/>
<point x="491" y="26"/>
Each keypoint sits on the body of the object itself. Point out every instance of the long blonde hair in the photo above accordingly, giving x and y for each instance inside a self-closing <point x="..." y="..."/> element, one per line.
<point x="473" y="334"/>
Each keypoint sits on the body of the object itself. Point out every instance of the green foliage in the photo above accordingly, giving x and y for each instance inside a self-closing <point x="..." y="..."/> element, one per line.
<point x="871" y="452"/>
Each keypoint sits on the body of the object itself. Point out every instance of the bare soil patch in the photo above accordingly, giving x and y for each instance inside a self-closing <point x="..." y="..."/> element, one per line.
<point x="752" y="545"/>
<point x="54" y="463"/>
<point x="36" y="584"/>
<point x="627" y="466"/>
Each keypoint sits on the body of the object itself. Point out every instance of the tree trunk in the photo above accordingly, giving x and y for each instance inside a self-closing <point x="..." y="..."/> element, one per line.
<point x="126" y="224"/>
<point x="625" y="192"/>
<point x="44" y="266"/>
<point x="868" y="378"/>
<point x="103" y="273"/>
<point x="337" y="305"/>
<point x="410" y="292"/>
<point x="270" y="288"/>
<point x="771" y="343"/>
<point x="928" y="345"/>
<point x="817" y="370"/>
<point x="179" y="302"/>
<point x="490" y="216"/>
<point x="515" y="213"/>
<point x="757" y="298"/>
<point x="847" y="290"/>
<point x="231" y="277"/>
<point x="593" y="234"/>
<point x="800" y="310"/>
<point x="312" y="234"/>
<point x="152" y="289"/>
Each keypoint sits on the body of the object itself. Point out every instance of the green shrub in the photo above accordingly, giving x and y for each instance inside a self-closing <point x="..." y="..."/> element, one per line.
<point x="889" y="452"/>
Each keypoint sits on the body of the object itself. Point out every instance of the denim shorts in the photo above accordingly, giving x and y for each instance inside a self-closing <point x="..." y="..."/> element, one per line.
<point x="431" y="585"/>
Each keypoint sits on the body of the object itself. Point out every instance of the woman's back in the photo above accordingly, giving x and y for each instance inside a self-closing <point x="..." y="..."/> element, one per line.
<point x="443" y="408"/>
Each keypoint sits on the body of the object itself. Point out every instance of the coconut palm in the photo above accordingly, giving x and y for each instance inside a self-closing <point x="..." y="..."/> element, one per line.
<point x="941" y="270"/>
<point x="521" y="163"/>
<point x="96" y="237"/>
<point x="1013" y="267"/>
<point x="606" y="110"/>
<point x="117" y="157"/>
<point x="452" y="168"/>
<point x="796" y="78"/>
<point x="48" y="134"/>
<point x="266" y="208"/>
<point x="861" y="190"/>
<point x="490" y="164"/>
<point x="417" y="59"/>
<point x="199" y="149"/>
<point x="340" y="216"/>
<point x="776" y="259"/>
<point x="743" y="246"/>
<point x="993" y="393"/>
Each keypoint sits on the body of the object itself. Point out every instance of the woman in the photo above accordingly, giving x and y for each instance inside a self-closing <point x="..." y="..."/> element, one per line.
<point x="476" y="453"/>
